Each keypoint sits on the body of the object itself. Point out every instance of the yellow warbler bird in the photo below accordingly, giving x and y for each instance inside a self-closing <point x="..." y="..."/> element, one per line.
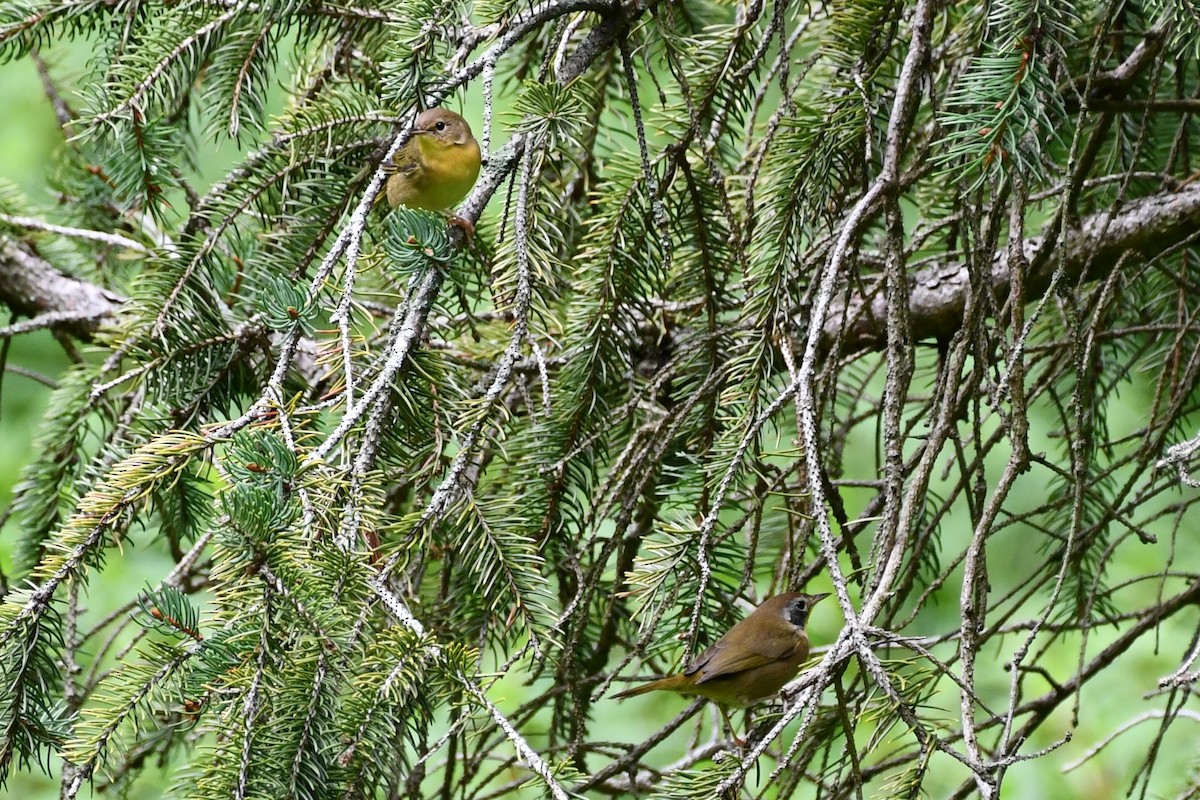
<point x="752" y="661"/>
<point x="437" y="166"/>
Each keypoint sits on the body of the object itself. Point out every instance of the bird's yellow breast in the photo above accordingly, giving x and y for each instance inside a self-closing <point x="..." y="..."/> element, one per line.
<point x="449" y="171"/>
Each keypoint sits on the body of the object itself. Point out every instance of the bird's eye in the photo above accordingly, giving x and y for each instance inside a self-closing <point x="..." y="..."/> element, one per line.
<point x="798" y="614"/>
<point x="441" y="126"/>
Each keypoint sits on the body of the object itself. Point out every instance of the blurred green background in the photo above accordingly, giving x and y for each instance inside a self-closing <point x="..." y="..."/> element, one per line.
<point x="28" y="138"/>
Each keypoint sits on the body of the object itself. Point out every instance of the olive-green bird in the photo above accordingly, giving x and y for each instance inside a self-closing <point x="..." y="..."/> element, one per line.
<point x="752" y="661"/>
<point x="437" y="166"/>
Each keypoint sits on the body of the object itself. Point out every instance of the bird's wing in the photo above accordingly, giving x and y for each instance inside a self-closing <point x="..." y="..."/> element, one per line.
<point x="722" y="659"/>
<point x="406" y="161"/>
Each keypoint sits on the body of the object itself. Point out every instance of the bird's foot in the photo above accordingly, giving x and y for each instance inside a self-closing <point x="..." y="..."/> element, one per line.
<point x="464" y="225"/>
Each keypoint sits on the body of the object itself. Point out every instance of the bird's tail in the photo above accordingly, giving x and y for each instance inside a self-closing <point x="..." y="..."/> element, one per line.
<point x="672" y="683"/>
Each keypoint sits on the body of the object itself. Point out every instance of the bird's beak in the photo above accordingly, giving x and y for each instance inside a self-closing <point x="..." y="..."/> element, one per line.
<point x="816" y="598"/>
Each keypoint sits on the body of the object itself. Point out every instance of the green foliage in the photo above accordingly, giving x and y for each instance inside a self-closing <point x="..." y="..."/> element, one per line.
<point x="167" y="610"/>
<point x="666" y="573"/>
<point x="1005" y="112"/>
<point x="416" y="48"/>
<point x="417" y="240"/>
<point x="284" y="304"/>
<point x="32" y="715"/>
<point x="46" y="492"/>
<point x="552" y="113"/>
<point x="999" y="117"/>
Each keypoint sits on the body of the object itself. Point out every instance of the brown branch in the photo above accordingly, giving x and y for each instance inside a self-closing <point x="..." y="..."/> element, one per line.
<point x="937" y="297"/>
<point x="33" y="287"/>
<point x="1186" y="105"/>
<point x="1118" y="79"/>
